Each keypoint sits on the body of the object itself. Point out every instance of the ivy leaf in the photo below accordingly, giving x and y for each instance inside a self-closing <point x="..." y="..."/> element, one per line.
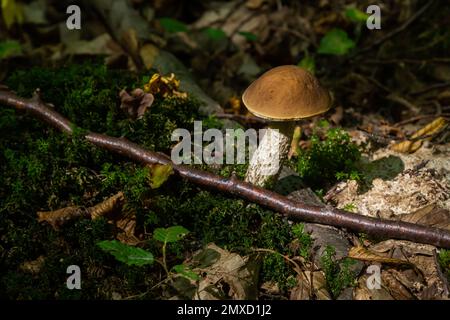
<point x="356" y="15"/>
<point x="215" y="34"/>
<point x="173" y="25"/>
<point x="308" y="63"/>
<point x="171" y="234"/>
<point x="9" y="48"/>
<point x="336" y="42"/>
<point x="127" y="254"/>
<point x="248" y="35"/>
<point x="186" y="272"/>
<point x="159" y="173"/>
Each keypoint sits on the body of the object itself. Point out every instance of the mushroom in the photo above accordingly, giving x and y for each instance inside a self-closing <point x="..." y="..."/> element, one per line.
<point x="282" y="95"/>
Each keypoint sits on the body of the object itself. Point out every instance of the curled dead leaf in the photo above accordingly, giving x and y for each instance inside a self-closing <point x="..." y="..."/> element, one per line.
<point x="425" y="133"/>
<point x="108" y="207"/>
<point x="430" y="215"/>
<point x="363" y="254"/>
<point x="303" y="291"/>
<point x="166" y="86"/>
<point x="59" y="217"/>
<point x="137" y="103"/>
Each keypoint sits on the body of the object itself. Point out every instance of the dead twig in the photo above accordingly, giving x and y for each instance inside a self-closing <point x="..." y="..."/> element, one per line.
<point x="290" y="208"/>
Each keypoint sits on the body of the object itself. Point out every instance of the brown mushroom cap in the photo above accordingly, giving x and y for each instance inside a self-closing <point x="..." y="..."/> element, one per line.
<point x="286" y="93"/>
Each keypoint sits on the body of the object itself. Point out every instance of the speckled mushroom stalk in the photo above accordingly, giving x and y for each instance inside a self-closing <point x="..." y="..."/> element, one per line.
<point x="282" y="95"/>
<point x="272" y="150"/>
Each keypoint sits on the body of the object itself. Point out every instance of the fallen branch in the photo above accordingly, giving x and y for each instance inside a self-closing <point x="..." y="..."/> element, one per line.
<point x="294" y="210"/>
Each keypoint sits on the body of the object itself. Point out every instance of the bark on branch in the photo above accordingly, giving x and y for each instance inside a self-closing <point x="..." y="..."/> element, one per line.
<point x="292" y="209"/>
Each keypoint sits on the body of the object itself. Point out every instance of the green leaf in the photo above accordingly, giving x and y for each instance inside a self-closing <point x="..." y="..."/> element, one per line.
<point x="171" y="234"/>
<point x="173" y="25"/>
<point x="308" y="63"/>
<point x="126" y="254"/>
<point x="9" y="48"/>
<point x="159" y="174"/>
<point x="248" y="35"/>
<point x="186" y="272"/>
<point x="215" y="34"/>
<point x="336" y="42"/>
<point x="356" y="15"/>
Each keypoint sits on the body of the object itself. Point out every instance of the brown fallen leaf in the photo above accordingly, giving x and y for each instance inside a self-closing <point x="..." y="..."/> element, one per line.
<point x="59" y="217"/>
<point x="363" y="254"/>
<point x="137" y="103"/>
<point x="416" y="140"/>
<point x="108" y="207"/>
<point x="226" y="274"/>
<point x="420" y="281"/>
<point x="302" y="291"/>
<point x="395" y="287"/>
<point x="114" y="209"/>
<point x="362" y="291"/>
<point x="430" y="215"/>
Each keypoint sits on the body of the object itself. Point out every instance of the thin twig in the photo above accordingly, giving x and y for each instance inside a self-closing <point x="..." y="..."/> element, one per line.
<point x="292" y="209"/>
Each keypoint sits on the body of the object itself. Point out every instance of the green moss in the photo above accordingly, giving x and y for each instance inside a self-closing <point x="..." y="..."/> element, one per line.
<point x="338" y="274"/>
<point x="444" y="260"/>
<point x="329" y="159"/>
<point x="43" y="169"/>
<point x="305" y="240"/>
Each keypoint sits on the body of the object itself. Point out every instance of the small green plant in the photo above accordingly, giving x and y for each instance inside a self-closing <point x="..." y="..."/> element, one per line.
<point x="127" y="254"/>
<point x="136" y="256"/>
<point x="351" y="207"/>
<point x="444" y="260"/>
<point x="329" y="159"/>
<point x="336" y="42"/>
<point x="304" y="239"/>
<point x="338" y="274"/>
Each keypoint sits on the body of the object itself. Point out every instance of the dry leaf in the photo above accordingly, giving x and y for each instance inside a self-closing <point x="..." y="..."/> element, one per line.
<point x="115" y="210"/>
<point x="107" y="207"/>
<point x="166" y="86"/>
<point x="229" y="276"/>
<point x="419" y="136"/>
<point x="396" y="289"/>
<point x="420" y="281"/>
<point x="362" y="292"/>
<point x="430" y="215"/>
<point x="59" y="217"/>
<point x="302" y="291"/>
<point x="137" y="103"/>
<point x="360" y="253"/>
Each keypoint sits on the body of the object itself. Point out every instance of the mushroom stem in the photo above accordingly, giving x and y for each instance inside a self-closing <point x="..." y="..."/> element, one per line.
<point x="266" y="161"/>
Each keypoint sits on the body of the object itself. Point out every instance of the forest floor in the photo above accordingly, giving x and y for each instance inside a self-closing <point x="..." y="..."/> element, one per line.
<point x="141" y="232"/>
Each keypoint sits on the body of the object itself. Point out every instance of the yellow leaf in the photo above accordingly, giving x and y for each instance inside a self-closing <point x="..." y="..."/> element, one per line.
<point x="159" y="174"/>
<point x="12" y="12"/>
<point x="430" y="128"/>
<point x="419" y="136"/>
<point x="166" y="86"/>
